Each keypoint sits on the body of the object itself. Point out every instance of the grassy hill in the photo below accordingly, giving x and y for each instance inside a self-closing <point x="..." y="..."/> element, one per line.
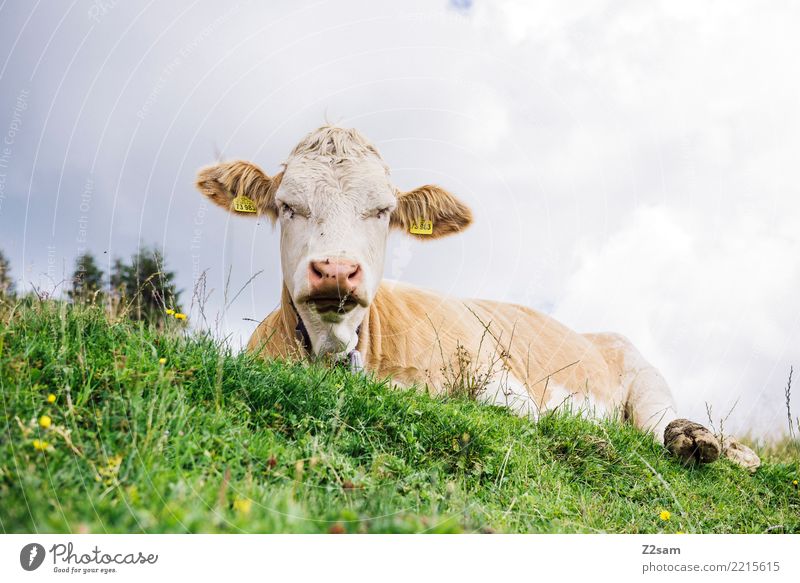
<point x="210" y="441"/>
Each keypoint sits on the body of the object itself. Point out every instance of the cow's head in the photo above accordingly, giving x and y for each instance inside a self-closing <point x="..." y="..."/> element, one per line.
<point x="335" y="205"/>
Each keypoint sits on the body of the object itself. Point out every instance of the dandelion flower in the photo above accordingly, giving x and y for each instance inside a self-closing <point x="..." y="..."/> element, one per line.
<point x="162" y="361"/>
<point x="45" y="421"/>
<point x="180" y="316"/>
<point x="170" y="312"/>
<point x="242" y="505"/>
<point x="40" y="445"/>
<point x="794" y="483"/>
<point x="664" y="515"/>
<point x="51" y="398"/>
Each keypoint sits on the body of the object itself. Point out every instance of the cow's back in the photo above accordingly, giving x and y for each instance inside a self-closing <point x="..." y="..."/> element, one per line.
<point x="428" y="338"/>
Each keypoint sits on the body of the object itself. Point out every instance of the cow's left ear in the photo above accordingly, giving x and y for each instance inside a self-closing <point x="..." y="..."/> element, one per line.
<point x="430" y="211"/>
<point x="240" y="187"/>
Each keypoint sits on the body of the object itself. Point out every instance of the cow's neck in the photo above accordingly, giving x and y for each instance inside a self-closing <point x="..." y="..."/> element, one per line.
<point x="309" y="338"/>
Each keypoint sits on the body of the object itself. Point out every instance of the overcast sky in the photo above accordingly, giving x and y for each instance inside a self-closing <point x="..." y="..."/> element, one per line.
<point x="631" y="166"/>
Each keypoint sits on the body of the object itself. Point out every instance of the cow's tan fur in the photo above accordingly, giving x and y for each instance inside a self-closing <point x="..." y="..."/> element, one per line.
<point x="412" y="335"/>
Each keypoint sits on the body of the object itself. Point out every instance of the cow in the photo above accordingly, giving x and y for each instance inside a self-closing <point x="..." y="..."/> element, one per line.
<point x="335" y="205"/>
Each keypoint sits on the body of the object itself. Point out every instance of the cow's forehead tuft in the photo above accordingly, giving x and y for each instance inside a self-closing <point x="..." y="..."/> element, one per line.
<point x="305" y="175"/>
<point x="334" y="144"/>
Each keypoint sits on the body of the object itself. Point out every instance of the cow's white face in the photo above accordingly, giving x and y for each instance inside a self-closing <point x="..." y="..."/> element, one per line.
<point x="334" y="222"/>
<point x="335" y="205"/>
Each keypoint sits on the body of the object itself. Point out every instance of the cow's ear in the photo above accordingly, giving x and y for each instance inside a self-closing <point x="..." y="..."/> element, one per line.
<point x="430" y="212"/>
<point x="240" y="187"/>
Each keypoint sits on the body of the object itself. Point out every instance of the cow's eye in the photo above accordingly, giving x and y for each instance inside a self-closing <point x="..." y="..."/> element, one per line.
<point x="381" y="212"/>
<point x="287" y="210"/>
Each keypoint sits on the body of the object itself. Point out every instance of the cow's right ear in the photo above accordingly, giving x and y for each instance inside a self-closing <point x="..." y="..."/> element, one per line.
<point x="240" y="187"/>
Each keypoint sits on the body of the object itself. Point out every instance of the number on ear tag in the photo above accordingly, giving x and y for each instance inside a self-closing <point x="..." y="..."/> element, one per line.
<point x="422" y="227"/>
<point x="244" y="204"/>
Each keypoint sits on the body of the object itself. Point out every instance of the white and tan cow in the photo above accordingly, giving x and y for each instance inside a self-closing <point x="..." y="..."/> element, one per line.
<point x="335" y="205"/>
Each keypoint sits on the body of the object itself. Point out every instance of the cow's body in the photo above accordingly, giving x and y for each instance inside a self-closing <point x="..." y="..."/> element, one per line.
<point x="507" y="354"/>
<point x="335" y="205"/>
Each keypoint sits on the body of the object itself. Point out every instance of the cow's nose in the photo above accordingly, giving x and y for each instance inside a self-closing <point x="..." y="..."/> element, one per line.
<point x="334" y="276"/>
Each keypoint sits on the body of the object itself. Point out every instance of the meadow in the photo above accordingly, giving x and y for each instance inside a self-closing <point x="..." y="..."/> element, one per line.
<point x="110" y="425"/>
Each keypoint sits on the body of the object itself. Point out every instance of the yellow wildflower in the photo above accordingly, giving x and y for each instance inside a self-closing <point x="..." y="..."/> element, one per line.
<point x="162" y="361"/>
<point x="170" y="312"/>
<point x="40" y="444"/>
<point x="45" y="421"/>
<point x="242" y="505"/>
<point x="664" y="515"/>
<point x="51" y="398"/>
<point x="179" y="316"/>
<point x="794" y="483"/>
<point x="110" y="471"/>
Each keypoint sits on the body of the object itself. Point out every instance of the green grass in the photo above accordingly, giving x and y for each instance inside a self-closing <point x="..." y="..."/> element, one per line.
<point x="212" y="441"/>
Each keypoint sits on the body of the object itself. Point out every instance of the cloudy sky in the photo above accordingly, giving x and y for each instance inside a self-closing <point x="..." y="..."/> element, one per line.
<point x="632" y="166"/>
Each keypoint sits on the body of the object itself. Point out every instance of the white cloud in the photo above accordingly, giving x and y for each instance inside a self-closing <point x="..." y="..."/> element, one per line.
<point x="488" y="125"/>
<point x="716" y="310"/>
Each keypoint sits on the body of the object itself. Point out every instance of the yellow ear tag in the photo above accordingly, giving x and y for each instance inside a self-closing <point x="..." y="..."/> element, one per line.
<point x="244" y="204"/>
<point x="422" y="227"/>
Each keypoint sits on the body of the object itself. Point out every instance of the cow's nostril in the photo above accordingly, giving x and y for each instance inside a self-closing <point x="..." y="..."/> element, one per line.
<point x="355" y="273"/>
<point x="316" y="271"/>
